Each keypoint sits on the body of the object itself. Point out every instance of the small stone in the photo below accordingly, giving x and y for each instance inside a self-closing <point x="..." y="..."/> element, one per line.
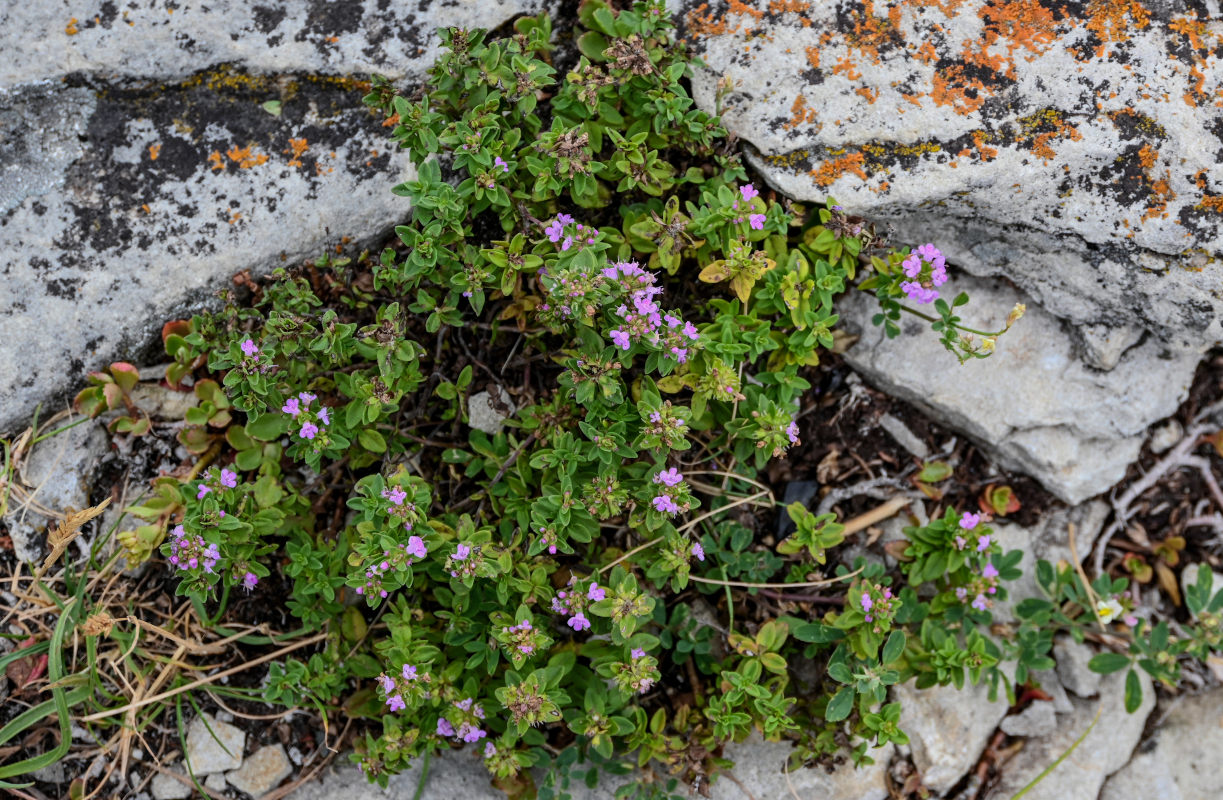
<point x="948" y="729"/>
<point x="1072" y="668"/>
<point x="262" y="771"/>
<point x="483" y="415"/>
<point x="161" y="402"/>
<point x="218" y="750"/>
<point x="216" y="782"/>
<point x="904" y="437"/>
<point x="1038" y="719"/>
<point x="1050" y="685"/>
<point x="758" y="765"/>
<point x="796" y="492"/>
<point x="52" y="773"/>
<point x="1166" y="436"/>
<point x="166" y="787"/>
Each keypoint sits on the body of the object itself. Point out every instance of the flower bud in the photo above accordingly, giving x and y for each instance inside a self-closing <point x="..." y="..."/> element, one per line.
<point x="1016" y="314"/>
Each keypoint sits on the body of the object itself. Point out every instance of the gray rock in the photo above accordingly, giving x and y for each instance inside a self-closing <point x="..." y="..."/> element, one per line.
<point x="218" y="750"/>
<point x="133" y="195"/>
<point x="262" y="771"/>
<point x="166" y="787"/>
<point x="1049" y="541"/>
<point x="1032" y="405"/>
<point x="216" y="782"/>
<point x="52" y="773"/>
<point x="1105" y="750"/>
<point x="1073" y="154"/>
<point x="1166" y="436"/>
<point x="1048" y="682"/>
<point x="904" y="437"/>
<point x="1038" y="719"/>
<point x="1181" y="763"/>
<point x="57" y="473"/>
<point x="759" y="767"/>
<point x="1072" y="670"/>
<point x="483" y="415"/>
<point x="163" y="403"/>
<point x="948" y="729"/>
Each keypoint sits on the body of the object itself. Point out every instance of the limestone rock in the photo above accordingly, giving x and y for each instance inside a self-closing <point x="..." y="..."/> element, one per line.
<point x="1074" y="151"/>
<point x="166" y="787"/>
<point x="140" y="167"/>
<point x="1038" y="719"/>
<point x="1032" y="405"/>
<point x="57" y="472"/>
<point x="262" y="771"/>
<point x="1105" y="750"/>
<point x="216" y="750"/>
<point x="216" y="781"/>
<point x="1072" y="670"/>
<point x="904" y="437"/>
<point x="486" y="414"/>
<point x="948" y="729"/>
<point x="758" y="766"/>
<point x="1181" y="763"/>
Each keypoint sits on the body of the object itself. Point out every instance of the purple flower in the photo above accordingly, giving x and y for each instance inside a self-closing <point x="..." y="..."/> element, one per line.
<point x="969" y="520"/>
<point x="416" y="547"/>
<point x="396" y="703"/>
<point x="444" y="728"/>
<point x="918" y="292"/>
<point x="680" y="353"/>
<point x="637" y="653"/>
<point x="229" y="478"/>
<point x="387" y="682"/>
<point x="470" y="733"/>
<point x="748" y="192"/>
<point x="983" y="544"/>
<point x="595" y="593"/>
<point x="490" y="750"/>
<point x="980" y="603"/>
<point x="792" y="432"/>
<point x="756" y="221"/>
<point x="990" y="571"/>
<point x="309" y="430"/>
<point x="324" y="414"/>
<point x="409" y="672"/>
<point x="669" y="477"/>
<point x="691" y="332"/>
<point x="912" y="265"/>
<point x="395" y="494"/>
<point x="867" y="602"/>
<point x="307" y="397"/>
<point x="621" y="339"/>
<point x="960" y="541"/>
<point x="249" y="580"/>
<point x="664" y="504"/>
<point x="203" y="490"/>
<point x="961" y="593"/>
<point x="579" y="622"/>
<point x="497" y="162"/>
<point x="461" y="552"/>
<point x="292" y="406"/>
<point x="698" y="551"/>
<point x="249" y="347"/>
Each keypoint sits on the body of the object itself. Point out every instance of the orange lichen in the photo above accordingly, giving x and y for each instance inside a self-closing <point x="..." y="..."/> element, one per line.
<point x="926" y="53"/>
<point x="702" y="22"/>
<point x="154" y="151"/>
<point x="847" y="66"/>
<point x="71" y="29"/>
<point x="1147" y="156"/>
<point x="146" y="208"/>
<point x="1041" y="144"/>
<point x="800" y="114"/>
<point x="952" y="87"/>
<point x="870" y="94"/>
<point x="296" y="148"/>
<point x="391" y="120"/>
<point x="1107" y="18"/>
<point x="831" y="170"/>
<point x="868" y="32"/>
<point x="986" y="152"/>
<point x="1191" y="27"/>
<point x="813" y="57"/>
<point x="244" y="158"/>
<point x="1212" y="202"/>
<point x="1197" y="87"/>
<point x="1157" y="204"/>
<point x="796" y="6"/>
<point x="1023" y="23"/>
<point x="234" y="217"/>
<point x="217" y="160"/>
<point x="915" y="99"/>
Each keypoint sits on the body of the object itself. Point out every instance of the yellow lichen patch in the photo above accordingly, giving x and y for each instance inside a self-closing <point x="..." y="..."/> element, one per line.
<point x="296" y="148"/>
<point x="1211" y="202"/>
<point x="245" y="158"/>
<point x="217" y="160"/>
<point x="154" y="151"/>
<point x="788" y="159"/>
<point x="1108" y="18"/>
<point x="831" y="170"/>
<point x="71" y="29"/>
<point x="979" y="138"/>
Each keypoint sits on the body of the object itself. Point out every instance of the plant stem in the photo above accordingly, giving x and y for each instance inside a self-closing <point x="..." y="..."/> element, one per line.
<point x="957" y="326"/>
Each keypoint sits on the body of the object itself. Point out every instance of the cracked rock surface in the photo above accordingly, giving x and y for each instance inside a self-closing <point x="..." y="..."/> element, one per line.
<point x="1033" y="405"/>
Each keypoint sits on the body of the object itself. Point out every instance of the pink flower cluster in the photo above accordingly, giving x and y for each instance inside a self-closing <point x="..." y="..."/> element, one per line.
<point x="311" y="422"/>
<point x="189" y="552"/>
<point x="399" y="507"/>
<point x="642" y="319"/>
<point x="409" y="681"/>
<point x="669" y="480"/>
<point x="876" y="601"/>
<point x="756" y="221"/>
<point x="558" y="231"/>
<point x="573" y="603"/>
<point x="469" y="729"/>
<point x="926" y="269"/>
<point x="968" y="523"/>
<point x="397" y="558"/>
<point x="979" y="587"/>
<point x="227" y="478"/>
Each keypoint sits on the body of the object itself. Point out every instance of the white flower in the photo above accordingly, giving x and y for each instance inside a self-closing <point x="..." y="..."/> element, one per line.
<point x="1108" y="610"/>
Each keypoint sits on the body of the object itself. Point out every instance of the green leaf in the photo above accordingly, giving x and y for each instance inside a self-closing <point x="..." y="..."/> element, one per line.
<point x="372" y="441"/>
<point x="934" y="472"/>
<point x="1107" y="663"/>
<point x="894" y="647"/>
<point x="840" y="705"/>
<point x="1133" y="692"/>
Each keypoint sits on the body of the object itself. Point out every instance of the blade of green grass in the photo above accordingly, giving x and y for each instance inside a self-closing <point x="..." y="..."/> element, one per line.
<point x="1060" y="758"/>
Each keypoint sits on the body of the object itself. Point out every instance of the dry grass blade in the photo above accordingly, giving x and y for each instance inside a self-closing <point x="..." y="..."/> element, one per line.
<point x="69" y="528"/>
